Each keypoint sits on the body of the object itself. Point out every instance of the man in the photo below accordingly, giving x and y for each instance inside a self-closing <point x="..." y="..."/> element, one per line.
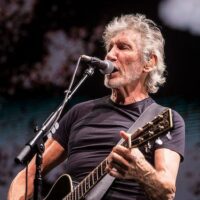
<point x="90" y="130"/>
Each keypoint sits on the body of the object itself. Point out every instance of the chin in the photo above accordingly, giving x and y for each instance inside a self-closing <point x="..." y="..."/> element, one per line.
<point x="112" y="84"/>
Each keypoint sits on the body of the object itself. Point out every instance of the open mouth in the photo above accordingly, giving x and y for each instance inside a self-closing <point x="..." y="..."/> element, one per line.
<point x="115" y="70"/>
<point x="114" y="73"/>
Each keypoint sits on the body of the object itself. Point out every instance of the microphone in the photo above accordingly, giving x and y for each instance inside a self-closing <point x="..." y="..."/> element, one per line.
<point x="104" y="66"/>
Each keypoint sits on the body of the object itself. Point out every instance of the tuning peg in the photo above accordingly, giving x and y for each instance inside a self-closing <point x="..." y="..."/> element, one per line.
<point x="151" y="133"/>
<point x="141" y="139"/>
<point x="160" y="116"/>
<point x="161" y="127"/>
<point x="140" y="129"/>
<point x="150" y="123"/>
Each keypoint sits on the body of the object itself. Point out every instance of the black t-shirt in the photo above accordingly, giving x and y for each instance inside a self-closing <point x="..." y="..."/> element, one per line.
<point x="89" y="131"/>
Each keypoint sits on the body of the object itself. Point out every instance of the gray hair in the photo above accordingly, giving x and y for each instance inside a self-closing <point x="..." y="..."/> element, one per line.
<point x="152" y="44"/>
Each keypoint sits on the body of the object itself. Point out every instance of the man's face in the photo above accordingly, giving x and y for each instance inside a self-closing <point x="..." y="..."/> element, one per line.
<point x="124" y="51"/>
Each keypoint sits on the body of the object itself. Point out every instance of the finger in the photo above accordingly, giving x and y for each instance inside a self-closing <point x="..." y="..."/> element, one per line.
<point x="126" y="137"/>
<point x="115" y="173"/>
<point x="118" y="162"/>
<point x="123" y="152"/>
<point x="116" y="168"/>
<point x="119" y="167"/>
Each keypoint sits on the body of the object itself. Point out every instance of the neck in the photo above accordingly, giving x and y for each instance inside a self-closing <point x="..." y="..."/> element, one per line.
<point x="123" y="97"/>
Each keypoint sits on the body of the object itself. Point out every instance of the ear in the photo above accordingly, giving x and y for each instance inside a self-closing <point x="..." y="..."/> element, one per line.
<point x="150" y="64"/>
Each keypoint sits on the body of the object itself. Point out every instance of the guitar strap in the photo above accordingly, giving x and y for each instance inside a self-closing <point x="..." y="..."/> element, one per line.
<point x="103" y="185"/>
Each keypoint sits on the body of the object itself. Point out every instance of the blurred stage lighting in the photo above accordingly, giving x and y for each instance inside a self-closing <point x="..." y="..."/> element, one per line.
<point x="181" y="14"/>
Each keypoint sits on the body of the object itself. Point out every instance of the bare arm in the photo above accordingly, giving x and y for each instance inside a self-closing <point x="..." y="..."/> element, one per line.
<point x="53" y="155"/>
<point x="161" y="183"/>
<point x="158" y="181"/>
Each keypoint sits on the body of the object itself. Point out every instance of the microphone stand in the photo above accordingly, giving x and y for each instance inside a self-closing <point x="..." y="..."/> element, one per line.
<point x="36" y="145"/>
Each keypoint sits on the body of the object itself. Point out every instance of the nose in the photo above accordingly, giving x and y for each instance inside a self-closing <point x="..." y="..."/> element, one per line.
<point x="111" y="55"/>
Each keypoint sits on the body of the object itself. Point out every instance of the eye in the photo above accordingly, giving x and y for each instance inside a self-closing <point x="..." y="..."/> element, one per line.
<point x="123" y="46"/>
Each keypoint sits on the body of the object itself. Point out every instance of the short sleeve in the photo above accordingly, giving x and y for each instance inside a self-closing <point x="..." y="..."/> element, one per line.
<point x="175" y="139"/>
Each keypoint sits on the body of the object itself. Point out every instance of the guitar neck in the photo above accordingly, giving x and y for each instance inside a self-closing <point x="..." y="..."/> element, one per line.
<point x="88" y="182"/>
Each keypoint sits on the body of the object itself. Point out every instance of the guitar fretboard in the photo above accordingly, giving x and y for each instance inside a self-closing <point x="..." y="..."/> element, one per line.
<point x="88" y="182"/>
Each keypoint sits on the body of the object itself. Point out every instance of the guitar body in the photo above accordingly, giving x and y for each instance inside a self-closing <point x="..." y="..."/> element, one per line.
<point x="61" y="188"/>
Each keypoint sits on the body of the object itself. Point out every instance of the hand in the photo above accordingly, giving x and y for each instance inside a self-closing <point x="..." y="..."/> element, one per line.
<point x="124" y="162"/>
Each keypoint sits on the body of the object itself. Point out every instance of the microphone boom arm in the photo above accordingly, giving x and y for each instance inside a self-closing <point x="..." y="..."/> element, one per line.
<point x="30" y="149"/>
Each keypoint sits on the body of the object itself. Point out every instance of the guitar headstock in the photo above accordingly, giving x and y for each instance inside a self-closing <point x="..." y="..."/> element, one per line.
<point x="153" y="129"/>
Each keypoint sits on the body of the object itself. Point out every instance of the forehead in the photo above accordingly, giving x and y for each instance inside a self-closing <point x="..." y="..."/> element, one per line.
<point x="126" y="36"/>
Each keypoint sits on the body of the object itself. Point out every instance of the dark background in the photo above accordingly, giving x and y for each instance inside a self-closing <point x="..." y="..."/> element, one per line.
<point x="182" y="48"/>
